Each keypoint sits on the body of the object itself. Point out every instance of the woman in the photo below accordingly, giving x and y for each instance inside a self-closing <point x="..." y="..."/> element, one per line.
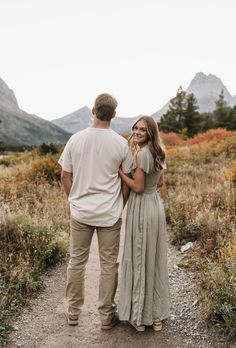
<point x="144" y="293"/>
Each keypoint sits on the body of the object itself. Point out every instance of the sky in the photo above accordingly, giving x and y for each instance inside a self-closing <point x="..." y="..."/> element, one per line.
<point x="58" y="55"/>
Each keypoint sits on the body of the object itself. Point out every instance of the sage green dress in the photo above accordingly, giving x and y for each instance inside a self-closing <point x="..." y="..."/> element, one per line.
<point x="144" y="290"/>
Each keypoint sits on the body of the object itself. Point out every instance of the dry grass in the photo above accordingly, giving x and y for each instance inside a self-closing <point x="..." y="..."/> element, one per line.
<point x="33" y="229"/>
<point x="199" y="195"/>
<point x="201" y="206"/>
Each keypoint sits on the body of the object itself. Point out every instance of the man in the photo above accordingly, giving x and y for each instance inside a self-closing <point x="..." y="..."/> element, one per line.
<point x="90" y="163"/>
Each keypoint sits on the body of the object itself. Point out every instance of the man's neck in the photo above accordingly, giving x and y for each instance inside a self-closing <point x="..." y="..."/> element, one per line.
<point x="101" y="124"/>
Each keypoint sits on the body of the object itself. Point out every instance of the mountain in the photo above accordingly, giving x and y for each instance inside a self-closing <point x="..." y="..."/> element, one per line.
<point x="75" y="121"/>
<point x="206" y="89"/>
<point x="19" y="127"/>
<point x="83" y="117"/>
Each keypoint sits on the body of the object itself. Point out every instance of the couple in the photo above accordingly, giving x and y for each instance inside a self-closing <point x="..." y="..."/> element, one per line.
<point x="99" y="174"/>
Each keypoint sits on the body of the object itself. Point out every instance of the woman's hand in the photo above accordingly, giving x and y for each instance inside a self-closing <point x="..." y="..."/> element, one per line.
<point x="121" y="173"/>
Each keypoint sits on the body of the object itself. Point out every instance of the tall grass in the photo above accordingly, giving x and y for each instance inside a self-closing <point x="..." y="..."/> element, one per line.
<point x="201" y="207"/>
<point x="33" y="229"/>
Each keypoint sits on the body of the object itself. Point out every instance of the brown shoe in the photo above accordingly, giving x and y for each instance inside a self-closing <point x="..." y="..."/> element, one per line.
<point x="72" y="319"/>
<point x="114" y="321"/>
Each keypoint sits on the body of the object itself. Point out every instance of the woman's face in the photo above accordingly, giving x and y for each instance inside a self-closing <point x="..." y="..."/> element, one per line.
<point x="140" y="135"/>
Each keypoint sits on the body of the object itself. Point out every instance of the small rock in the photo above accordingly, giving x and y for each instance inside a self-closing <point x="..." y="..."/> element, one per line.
<point x="186" y="247"/>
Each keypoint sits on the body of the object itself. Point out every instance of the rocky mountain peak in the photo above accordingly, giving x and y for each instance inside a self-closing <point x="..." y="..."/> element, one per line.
<point x="6" y="94"/>
<point x="206" y="89"/>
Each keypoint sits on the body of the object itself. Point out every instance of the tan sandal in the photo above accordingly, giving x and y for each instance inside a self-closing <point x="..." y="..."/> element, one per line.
<point x="140" y="328"/>
<point x="157" y="325"/>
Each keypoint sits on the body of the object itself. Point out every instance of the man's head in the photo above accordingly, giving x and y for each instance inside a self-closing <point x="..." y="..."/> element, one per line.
<point x="105" y="107"/>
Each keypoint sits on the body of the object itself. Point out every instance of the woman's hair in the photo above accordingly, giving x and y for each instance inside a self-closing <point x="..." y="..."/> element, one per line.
<point x="154" y="141"/>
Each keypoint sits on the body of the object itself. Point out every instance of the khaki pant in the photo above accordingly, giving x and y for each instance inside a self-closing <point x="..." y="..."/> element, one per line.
<point x="108" y="244"/>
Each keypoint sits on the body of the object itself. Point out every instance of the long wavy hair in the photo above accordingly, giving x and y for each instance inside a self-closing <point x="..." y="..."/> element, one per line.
<point x="154" y="141"/>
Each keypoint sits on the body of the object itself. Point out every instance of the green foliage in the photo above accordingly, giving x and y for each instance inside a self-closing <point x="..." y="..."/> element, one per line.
<point x="4" y="147"/>
<point x="48" y="148"/>
<point x="220" y="300"/>
<point x="183" y="117"/>
<point x="172" y="121"/>
<point x="26" y="250"/>
<point x="5" y="162"/>
<point x="192" y="120"/>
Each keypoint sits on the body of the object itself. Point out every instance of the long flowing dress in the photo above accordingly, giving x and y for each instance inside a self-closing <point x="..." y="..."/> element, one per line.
<point x="144" y="290"/>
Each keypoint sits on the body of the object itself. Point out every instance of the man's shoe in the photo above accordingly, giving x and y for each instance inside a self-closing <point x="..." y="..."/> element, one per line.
<point x="72" y="319"/>
<point x="114" y="321"/>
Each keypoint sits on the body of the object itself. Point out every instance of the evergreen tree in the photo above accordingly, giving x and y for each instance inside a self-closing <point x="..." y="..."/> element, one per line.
<point x="173" y="119"/>
<point x="192" y="119"/>
<point x="221" y="112"/>
<point x="231" y="119"/>
<point x="207" y="121"/>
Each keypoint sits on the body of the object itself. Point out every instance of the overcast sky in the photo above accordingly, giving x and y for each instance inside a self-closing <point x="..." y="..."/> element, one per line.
<point x="57" y="55"/>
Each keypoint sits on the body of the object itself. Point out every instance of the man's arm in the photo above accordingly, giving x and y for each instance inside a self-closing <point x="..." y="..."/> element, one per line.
<point x="66" y="180"/>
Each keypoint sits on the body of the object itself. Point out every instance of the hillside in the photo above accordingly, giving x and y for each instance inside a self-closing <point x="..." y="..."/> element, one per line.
<point x="19" y="127"/>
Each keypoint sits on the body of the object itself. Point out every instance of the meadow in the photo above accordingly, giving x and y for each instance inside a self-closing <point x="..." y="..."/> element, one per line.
<point x="200" y="200"/>
<point x="33" y="228"/>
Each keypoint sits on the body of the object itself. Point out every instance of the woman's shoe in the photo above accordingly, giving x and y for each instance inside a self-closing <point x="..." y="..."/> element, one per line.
<point x="139" y="328"/>
<point x="157" y="325"/>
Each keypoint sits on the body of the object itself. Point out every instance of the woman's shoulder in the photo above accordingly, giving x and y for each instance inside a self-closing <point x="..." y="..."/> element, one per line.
<point x="145" y="152"/>
<point x="146" y="159"/>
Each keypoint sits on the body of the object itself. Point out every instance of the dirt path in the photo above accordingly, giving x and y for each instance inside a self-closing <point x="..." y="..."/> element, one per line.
<point x="43" y="325"/>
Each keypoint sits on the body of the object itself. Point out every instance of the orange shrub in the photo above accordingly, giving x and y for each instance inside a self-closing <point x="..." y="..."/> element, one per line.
<point x="219" y="133"/>
<point x="171" y="138"/>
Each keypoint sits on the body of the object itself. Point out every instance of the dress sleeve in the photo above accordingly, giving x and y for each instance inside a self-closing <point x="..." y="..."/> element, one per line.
<point x="144" y="157"/>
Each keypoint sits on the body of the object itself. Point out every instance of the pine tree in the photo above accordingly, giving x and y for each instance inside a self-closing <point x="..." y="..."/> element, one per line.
<point x="221" y="111"/>
<point x="192" y="120"/>
<point x="173" y="119"/>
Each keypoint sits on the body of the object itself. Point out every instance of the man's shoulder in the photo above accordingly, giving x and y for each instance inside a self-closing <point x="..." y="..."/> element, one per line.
<point x="119" y="137"/>
<point x="78" y="135"/>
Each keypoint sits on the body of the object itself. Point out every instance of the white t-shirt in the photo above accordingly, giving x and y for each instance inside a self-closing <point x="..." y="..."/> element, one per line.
<point x="94" y="156"/>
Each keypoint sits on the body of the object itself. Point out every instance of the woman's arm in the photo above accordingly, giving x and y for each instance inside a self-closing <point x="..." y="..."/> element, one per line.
<point x="136" y="184"/>
<point x="125" y="191"/>
<point x="161" y="180"/>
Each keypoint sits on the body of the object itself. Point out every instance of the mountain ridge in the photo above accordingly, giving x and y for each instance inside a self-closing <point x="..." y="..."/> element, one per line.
<point x="19" y="127"/>
<point x="206" y="89"/>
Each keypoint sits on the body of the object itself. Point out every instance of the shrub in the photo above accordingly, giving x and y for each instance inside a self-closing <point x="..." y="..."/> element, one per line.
<point x="45" y="168"/>
<point x="5" y="162"/>
<point x="26" y="250"/>
<point x="171" y="138"/>
<point x="48" y="148"/>
<point x="200" y="204"/>
<point x="220" y="295"/>
<point x="211" y="134"/>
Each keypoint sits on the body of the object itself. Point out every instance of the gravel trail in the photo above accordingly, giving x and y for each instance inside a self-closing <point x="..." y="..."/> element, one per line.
<point x="43" y="323"/>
